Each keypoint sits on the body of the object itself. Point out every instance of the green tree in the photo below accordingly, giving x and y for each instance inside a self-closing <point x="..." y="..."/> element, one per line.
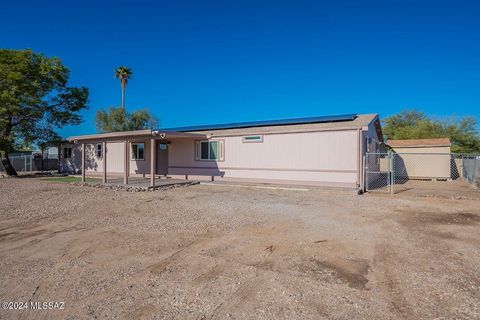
<point x="114" y="120"/>
<point x="412" y="124"/>
<point x="35" y="100"/>
<point x="124" y="74"/>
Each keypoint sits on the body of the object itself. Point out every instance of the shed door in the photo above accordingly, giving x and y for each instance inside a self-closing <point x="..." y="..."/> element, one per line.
<point x="162" y="158"/>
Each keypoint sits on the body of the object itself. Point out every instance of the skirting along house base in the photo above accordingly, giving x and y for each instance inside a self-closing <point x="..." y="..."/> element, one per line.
<point x="320" y="151"/>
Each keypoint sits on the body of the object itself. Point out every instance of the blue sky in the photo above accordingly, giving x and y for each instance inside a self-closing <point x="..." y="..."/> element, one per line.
<point x="202" y="62"/>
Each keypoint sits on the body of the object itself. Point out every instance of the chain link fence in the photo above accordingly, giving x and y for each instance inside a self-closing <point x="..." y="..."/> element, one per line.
<point x="471" y="169"/>
<point x="33" y="162"/>
<point x="398" y="172"/>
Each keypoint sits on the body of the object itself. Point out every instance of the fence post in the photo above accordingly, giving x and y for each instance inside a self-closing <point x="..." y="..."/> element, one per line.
<point x="364" y="180"/>
<point x="389" y="169"/>
<point x="462" y="174"/>
<point x="59" y="160"/>
<point x="24" y="163"/>
<point x="475" y="171"/>
<point x="392" y="173"/>
<point x="41" y="157"/>
<point x="83" y="162"/>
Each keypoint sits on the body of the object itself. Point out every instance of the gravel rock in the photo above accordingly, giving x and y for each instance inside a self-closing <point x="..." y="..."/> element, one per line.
<point x="215" y="251"/>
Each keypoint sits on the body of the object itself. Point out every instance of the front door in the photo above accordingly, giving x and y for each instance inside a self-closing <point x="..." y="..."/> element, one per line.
<point x="162" y="158"/>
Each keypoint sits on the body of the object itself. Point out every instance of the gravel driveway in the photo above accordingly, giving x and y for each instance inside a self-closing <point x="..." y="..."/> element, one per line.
<point x="216" y="252"/>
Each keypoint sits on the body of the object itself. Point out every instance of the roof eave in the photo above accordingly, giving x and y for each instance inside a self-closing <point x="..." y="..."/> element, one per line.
<point x="421" y="146"/>
<point x="110" y="135"/>
<point x="124" y="135"/>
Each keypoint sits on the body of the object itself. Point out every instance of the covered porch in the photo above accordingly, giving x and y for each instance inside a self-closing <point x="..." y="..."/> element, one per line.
<point x="136" y="158"/>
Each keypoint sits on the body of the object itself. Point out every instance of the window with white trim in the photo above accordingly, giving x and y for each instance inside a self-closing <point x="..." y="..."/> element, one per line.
<point x="67" y="152"/>
<point x="138" y="151"/>
<point x="209" y="150"/>
<point x="99" y="150"/>
<point x="256" y="138"/>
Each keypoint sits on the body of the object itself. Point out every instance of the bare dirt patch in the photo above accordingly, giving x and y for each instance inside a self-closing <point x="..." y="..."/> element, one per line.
<point x="212" y="252"/>
<point x="456" y="218"/>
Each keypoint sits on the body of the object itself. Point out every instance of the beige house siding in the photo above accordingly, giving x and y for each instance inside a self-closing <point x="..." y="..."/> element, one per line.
<point x="115" y="159"/>
<point x="72" y="165"/>
<point x="372" y="143"/>
<point x="328" y="157"/>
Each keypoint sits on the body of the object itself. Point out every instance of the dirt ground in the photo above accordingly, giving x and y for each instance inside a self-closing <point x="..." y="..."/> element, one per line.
<point x="445" y="189"/>
<point x="219" y="252"/>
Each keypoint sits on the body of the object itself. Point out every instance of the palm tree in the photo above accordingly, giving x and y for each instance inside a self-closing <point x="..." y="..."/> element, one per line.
<point x="123" y="73"/>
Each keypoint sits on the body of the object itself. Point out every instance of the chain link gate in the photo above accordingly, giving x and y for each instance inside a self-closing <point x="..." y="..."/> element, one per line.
<point x="378" y="172"/>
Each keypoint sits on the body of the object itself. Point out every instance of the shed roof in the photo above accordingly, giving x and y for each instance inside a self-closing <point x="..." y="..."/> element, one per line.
<point x="415" y="143"/>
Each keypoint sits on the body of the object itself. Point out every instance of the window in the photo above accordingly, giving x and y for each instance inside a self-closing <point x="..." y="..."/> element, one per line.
<point x="138" y="151"/>
<point x="98" y="150"/>
<point x="67" y="152"/>
<point x="253" y="139"/>
<point x="209" y="150"/>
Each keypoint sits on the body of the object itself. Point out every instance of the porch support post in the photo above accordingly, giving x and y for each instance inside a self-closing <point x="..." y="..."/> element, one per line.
<point x="153" y="162"/>
<point x="104" y="148"/>
<point x="359" y="157"/>
<point x="83" y="162"/>
<point x="125" y="166"/>
<point x="59" y="153"/>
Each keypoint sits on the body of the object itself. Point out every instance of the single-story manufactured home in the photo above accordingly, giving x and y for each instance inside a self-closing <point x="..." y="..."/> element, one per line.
<point x="322" y="151"/>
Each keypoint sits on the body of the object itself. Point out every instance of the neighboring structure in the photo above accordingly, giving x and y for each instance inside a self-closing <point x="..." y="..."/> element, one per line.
<point x="49" y="152"/>
<point x="31" y="161"/>
<point x="414" y="153"/>
<point x="326" y="151"/>
<point x="20" y="153"/>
